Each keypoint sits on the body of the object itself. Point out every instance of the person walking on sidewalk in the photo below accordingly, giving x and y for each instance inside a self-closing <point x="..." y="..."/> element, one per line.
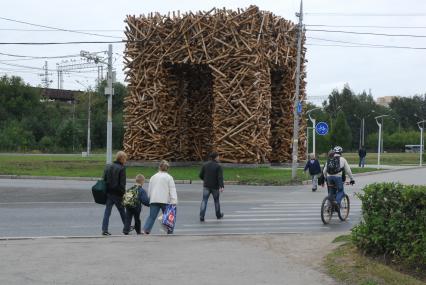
<point x="161" y="192"/>
<point x="212" y="175"/>
<point x="115" y="178"/>
<point x="314" y="168"/>
<point x="362" y="154"/>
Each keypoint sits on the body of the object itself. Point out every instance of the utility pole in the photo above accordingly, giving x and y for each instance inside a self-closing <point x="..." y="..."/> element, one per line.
<point x="296" y="96"/>
<point x="109" y="91"/>
<point x="379" y="144"/>
<point x="89" y="93"/>
<point x="89" y="142"/>
<point x="93" y="60"/>
<point x="421" y="127"/>
<point x="313" y="128"/>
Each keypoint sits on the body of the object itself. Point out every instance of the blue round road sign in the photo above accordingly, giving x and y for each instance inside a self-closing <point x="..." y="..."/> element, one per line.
<point x="321" y="128"/>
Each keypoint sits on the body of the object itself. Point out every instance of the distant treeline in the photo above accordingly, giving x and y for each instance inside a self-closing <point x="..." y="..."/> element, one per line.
<point x="344" y="110"/>
<point x="28" y="123"/>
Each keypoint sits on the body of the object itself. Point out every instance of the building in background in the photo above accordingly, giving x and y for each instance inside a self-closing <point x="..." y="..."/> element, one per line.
<point x="385" y="101"/>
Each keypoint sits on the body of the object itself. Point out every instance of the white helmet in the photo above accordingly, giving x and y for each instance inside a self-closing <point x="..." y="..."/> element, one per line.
<point x="338" y="149"/>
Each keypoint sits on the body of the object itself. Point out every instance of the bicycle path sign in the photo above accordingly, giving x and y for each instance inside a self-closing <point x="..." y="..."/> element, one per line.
<point x="321" y="128"/>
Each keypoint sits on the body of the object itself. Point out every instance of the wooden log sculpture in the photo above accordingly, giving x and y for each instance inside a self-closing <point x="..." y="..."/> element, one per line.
<point x="219" y="80"/>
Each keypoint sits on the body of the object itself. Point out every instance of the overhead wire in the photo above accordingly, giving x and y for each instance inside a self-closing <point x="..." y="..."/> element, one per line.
<point x="367" y="33"/>
<point x="54" y="30"/>
<point x="367" y="44"/>
<point x="366" y="26"/>
<point x="365" y="14"/>
<point x="67" y="42"/>
<point x="58" y="29"/>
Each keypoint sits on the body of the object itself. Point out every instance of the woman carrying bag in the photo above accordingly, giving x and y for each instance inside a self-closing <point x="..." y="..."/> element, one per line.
<point x="162" y="194"/>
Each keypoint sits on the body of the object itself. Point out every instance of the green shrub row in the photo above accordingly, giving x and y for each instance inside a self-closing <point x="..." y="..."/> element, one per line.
<point x="393" y="223"/>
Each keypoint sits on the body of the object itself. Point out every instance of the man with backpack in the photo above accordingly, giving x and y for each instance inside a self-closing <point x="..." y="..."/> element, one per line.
<point x="334" y="169"/>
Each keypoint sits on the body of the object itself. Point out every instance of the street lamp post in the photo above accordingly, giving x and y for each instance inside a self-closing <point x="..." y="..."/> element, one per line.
<point x="379" y="144"/>
<point x="313" y="128"/>
<point x="361" y="130"/>
<point x="421" y="127"/>
<point x="89" y="143"/>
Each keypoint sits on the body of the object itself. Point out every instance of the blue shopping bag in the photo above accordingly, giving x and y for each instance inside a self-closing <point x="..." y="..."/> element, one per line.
<point x="169" y="216"/>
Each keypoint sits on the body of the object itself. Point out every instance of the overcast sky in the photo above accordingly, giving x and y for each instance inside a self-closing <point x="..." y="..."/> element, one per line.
<point x="385" y="71"/>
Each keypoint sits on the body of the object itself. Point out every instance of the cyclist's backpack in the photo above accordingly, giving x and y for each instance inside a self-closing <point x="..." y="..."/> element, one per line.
<point x="333" y="165"/>
<point x="130" y="198"/>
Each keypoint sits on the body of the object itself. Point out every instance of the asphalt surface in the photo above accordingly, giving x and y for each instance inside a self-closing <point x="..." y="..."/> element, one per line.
<point x="35" y="208"/>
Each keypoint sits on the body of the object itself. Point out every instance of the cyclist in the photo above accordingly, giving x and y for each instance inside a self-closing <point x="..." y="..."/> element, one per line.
<point x="334" y="169"/>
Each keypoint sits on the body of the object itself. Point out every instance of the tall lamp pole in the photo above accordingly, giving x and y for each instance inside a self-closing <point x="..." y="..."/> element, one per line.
<point x="421" y="127"/>
<point x="379" y="144"/>
<point x="296" y="97"/>
<point x="313" y="120"/>
<point x="361" y="130"/>
<point x="89" y="143"/>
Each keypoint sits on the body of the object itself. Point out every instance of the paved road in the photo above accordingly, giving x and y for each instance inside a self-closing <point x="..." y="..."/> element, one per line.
<point x="64" y="208"/>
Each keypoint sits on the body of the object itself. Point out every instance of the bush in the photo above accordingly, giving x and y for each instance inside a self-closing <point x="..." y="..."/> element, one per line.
<point x="394" y="223"/>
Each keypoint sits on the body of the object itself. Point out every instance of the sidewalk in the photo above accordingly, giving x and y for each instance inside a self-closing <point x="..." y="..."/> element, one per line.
<point x="263" y="259"/>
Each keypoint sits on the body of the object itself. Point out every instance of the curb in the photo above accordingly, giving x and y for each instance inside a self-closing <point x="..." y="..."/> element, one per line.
<point x="130" y="181"/>
<point x="197" y="182"/>
<point x="142" y="236"/>
<point x="306" y="182"/>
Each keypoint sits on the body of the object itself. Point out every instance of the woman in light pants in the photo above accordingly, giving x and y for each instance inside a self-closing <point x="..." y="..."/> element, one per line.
<point x="161" y="192"/>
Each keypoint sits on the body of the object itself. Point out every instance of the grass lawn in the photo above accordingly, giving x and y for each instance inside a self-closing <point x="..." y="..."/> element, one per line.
<point x="386" y="158"/>
<point x="77" y="166"/>
<point x="348" y="266"/>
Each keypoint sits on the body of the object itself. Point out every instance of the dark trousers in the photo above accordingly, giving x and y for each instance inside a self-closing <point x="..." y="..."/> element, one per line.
<point x="206" y="195"/>
<point x="111" y="201"/>
<point x="130" y="214"/>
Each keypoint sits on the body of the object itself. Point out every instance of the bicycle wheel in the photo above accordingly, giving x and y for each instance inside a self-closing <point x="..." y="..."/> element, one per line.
<point x="326" y="211"/>
<point x="345" y="206"/>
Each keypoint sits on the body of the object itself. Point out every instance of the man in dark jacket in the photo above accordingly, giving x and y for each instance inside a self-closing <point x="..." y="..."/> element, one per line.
<point x="314" y="170"/>
<point x="212" y="176"/>
<point x="115" y="178"/>
<point x="362" y="154"/>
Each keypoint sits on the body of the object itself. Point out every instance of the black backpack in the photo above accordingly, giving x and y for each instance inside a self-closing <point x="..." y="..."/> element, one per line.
<point x="333" y="165"/>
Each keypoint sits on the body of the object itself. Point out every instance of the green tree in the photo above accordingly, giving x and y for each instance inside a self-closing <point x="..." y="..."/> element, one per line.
<point x="405" y="109"/>
<point x="341" y="132"/>
<point x="14" y="137"/>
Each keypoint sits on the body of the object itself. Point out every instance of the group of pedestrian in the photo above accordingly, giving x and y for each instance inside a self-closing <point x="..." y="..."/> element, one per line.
<point x="161" y="193"/>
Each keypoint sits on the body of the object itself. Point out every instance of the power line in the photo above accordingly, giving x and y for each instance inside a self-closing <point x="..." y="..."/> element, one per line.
<point x="58" y="29"/>
<point x="367" y="26"/>
<point x="68" y="43"/>
<point x="366" y="14"/>
<point x="368" y="45"/>
<point x="38" y="57"/>
<point x="54" y="30"/>
<point x="366" y="33"/>
<point x="22" y="66"/>
<point x="342" y="45"/>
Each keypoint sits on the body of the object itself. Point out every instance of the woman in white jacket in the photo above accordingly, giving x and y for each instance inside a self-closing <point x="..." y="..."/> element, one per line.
<point x="161" y="192"/>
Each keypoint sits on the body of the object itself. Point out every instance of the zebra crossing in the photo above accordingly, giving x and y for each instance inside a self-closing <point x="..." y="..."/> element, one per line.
<point x="270" y="217"/>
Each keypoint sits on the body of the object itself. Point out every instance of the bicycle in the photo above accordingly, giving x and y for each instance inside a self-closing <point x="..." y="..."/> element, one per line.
<point x="329" y="206"/>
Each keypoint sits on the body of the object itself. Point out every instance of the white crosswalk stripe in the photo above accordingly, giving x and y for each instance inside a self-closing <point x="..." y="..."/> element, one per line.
<point x="274" y="217"/>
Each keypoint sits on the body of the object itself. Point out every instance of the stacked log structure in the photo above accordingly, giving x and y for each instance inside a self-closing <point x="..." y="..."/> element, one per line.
<point x="220" y="80"/>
